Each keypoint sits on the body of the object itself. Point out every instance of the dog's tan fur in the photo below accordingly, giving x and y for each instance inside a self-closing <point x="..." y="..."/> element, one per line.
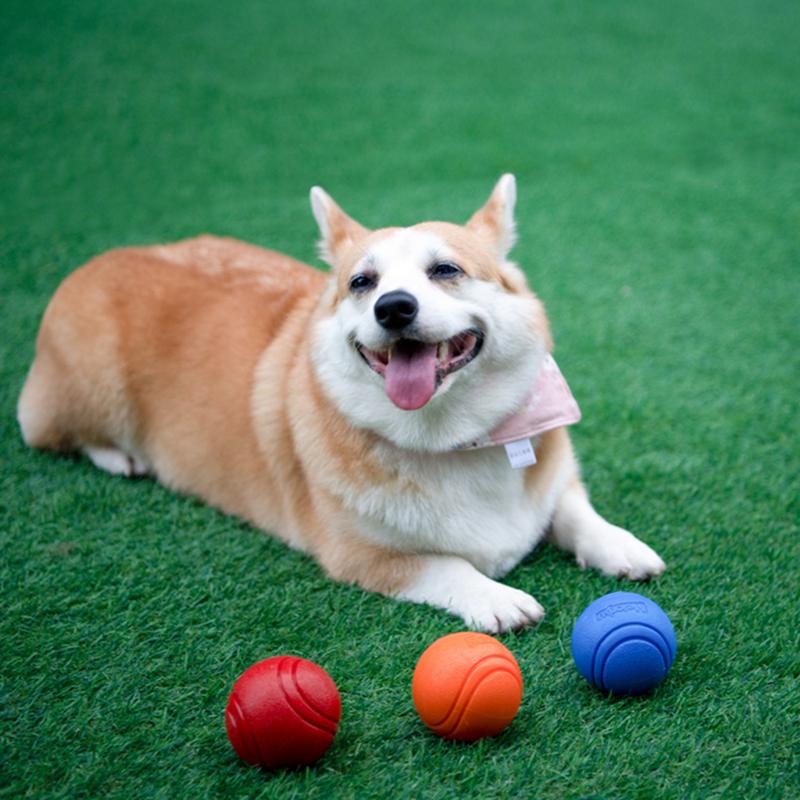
<point x="164" y="352"/>
<point x="194" y="360"/>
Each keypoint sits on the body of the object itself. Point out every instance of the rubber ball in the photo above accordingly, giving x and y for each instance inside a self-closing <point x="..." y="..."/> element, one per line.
<point x="283" y="712"/>
<point x="623" y="643"/>
<point x="467" y="686"/>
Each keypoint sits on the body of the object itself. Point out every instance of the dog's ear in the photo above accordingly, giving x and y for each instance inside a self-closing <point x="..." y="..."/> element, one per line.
<point x="495" y="221"/>
<point x="337" y="230"/>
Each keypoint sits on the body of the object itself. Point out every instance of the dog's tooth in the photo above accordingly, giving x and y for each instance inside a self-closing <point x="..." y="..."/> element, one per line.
<point x="443" y="349"/>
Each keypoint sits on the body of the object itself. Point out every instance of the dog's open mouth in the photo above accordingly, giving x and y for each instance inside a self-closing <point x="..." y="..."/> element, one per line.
<point x="412" y="370"/>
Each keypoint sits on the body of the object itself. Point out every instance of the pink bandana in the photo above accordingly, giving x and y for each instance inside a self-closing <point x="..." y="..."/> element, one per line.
<point x="550" y="405"/>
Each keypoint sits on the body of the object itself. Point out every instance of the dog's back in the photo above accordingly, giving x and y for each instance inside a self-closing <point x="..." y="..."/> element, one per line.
<point x="146" y="356"/>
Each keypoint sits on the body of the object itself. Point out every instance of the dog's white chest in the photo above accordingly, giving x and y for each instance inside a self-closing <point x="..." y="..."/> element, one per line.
<point x="471" y="504"/>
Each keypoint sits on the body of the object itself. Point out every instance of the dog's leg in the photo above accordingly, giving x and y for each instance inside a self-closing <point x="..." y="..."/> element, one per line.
<point x="452" y="583"/>
<point x="446" y="582"/>
<point x="578" y="528"/>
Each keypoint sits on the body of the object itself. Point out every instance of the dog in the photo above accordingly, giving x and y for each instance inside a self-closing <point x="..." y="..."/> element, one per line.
<point x="400" y="419"/>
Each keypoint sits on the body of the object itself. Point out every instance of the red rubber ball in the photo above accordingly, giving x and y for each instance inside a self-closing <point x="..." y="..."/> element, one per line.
<point x="283" y="712"/>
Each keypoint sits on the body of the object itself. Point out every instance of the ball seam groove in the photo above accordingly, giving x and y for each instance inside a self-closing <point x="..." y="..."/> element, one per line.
<point x="595" y="678"/>
<point x="309" y="700"/>
<point x="283" y="678"/>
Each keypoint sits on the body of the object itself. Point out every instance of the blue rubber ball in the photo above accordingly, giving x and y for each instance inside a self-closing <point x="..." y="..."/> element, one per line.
<point x="624" y="643"/>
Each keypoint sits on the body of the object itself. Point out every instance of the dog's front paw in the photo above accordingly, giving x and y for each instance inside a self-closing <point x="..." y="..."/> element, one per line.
<point x="499" y="610"/>
<point x="618" y="552"/>
<point x="453" y="584"/>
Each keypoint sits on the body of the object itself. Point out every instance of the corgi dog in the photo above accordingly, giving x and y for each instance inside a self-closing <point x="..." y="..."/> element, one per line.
<point x="365" y="416"/>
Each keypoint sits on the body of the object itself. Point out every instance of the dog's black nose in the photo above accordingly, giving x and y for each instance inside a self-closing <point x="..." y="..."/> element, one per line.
<point x="394" y="310"/>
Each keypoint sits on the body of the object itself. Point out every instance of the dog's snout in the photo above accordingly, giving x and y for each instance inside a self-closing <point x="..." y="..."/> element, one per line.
<point x="395" y="310"/>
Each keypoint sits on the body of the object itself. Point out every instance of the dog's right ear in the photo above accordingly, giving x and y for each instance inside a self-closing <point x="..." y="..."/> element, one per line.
<point x="337" y="230"/>
<point x="495" y="221"/>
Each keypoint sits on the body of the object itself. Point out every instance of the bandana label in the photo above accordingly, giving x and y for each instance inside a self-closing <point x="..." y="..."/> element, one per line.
<point x="550" y="405"/>
<point x="520" y="454"/>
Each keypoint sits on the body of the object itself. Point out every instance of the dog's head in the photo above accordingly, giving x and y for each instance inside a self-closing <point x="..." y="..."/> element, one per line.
<point x="428" y="335"/>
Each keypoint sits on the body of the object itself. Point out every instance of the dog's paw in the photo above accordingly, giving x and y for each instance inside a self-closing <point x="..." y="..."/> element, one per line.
<point x="115" y="461"/>
<point x="617" y="552"/>
<point x="499" y="610"/>
<point x="455" y="585"/>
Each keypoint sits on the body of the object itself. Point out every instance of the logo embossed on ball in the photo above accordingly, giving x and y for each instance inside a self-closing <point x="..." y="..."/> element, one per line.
<point x="622" y="608"/>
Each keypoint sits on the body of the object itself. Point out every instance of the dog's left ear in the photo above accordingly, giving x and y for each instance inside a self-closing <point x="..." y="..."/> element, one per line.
<point x="495" y="221"/>
<point x="337" y="230"/>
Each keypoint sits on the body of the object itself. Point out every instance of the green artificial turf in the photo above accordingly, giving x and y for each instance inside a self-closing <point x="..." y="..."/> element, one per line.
<point x="656" y="147"/>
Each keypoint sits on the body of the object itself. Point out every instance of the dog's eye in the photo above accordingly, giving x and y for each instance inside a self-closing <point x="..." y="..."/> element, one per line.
<point x="361" y="282"/>
<point x="444" y="270"/>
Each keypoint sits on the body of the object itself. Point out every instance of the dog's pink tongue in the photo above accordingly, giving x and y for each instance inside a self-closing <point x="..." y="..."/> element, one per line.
<point x="410" y="377"/>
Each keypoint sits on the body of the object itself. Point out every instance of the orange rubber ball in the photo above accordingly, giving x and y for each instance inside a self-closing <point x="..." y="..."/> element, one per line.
<point x="467" y="686"/>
